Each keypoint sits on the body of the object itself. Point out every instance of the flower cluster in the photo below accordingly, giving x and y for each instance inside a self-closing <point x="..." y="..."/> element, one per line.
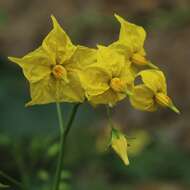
<point x="59" y="71"/>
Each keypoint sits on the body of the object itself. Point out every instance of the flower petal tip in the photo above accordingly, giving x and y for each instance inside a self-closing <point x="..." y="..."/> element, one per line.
<point x="54" y="21"/>
<point x="13" y="59"/>
<point x="126" y="162"/>
<point x="119" y="18"/>
<point x="52" y="17"/>
<point x="116" y="15"/>
<point x="29" y="104"/>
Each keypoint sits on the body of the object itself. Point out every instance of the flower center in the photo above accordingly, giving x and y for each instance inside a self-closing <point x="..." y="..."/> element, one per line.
<point x="139" y="59"/>
<point x="117" y="84"/>
<point x="59" y="71"/>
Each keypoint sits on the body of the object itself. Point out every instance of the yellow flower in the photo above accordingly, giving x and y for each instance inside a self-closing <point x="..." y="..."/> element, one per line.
<point x="133" y="37"/>
<point x="152" y="93"/>
<point x="109" y="79"/>
<point x="119" y="145"/>
<point x="52" y="69"/>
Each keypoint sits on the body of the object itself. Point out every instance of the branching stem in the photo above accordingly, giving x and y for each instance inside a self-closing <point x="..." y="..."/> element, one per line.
<point x="64" y="131"/>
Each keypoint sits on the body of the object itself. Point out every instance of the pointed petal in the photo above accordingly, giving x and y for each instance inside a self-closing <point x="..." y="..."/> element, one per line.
<point x="58" y="44"/>
<point x="36" y="65"/>
<point x="142" y="98"/>
<point x="131" y="34"/>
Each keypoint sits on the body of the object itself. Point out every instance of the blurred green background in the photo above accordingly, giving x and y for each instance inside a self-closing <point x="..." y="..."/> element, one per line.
<point x="159" y="142"/>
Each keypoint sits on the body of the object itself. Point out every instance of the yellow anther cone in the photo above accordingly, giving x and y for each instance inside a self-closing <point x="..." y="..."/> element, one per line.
<point x="165" y="101"/>
<point x="117" y="84"/>
<point x="138" y="59"/>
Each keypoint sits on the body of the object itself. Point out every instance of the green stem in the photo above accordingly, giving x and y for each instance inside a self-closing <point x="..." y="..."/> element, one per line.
<point x="109" y="117"/>
<point x="60" y="158"/>
<point x="12" y="180"/>
<point x="64" y="133"/>
<point x="71" y="119"/>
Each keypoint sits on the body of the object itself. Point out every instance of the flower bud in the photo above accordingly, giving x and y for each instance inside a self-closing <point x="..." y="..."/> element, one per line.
<point x="119" y="145"/>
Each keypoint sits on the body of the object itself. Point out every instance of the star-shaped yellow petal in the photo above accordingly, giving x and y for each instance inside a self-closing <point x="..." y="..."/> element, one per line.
<point x="107" y="80"/>
<point x="52" y="70"/>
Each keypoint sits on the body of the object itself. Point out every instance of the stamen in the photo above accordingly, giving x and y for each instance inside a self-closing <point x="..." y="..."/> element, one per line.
<point x="165" y="101"/>
<point x="59" y="71"/>
<point x="117" y="85"/>
<point x="139" y="59"/>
